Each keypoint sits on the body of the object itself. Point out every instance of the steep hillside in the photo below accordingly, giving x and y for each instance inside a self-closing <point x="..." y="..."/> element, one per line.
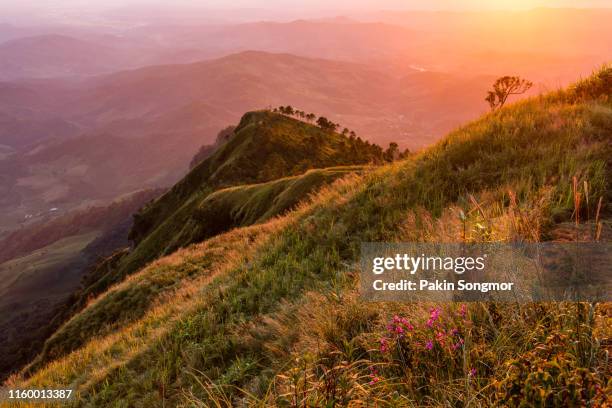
<point x="220" y="211"/>
<point x="265" y="146"/>
<point x="268" y="314"/>
<point x="42" y="265"/>
<point x="207" y="150"/>
<point x="252" y="204"/>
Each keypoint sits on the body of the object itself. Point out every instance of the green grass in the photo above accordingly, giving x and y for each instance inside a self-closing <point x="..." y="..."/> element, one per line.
<point x="251" y="204"/>
<point x="265" y="146"/>
<point x="218" y="212"/>
<point x="243" y="330"/>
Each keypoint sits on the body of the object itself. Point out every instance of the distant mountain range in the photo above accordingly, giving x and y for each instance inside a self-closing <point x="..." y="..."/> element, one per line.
<point x="403" y="77"/>
<point x="113" y="134"/>
<point x="57" y="56"/>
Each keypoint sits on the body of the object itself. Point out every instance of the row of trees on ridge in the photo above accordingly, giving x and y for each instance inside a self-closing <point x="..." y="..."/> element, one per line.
<point x="320" y="121"/>
<point x="390" y="154"/>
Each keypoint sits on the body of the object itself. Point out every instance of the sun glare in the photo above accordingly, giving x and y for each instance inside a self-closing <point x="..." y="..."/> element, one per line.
<point x="504" y="4"/>
<point x="514" y="4"/>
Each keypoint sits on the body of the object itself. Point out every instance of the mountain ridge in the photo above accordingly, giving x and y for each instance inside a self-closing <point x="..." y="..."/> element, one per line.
<point x="242" y="322"/>
<point x="268" y="166"/>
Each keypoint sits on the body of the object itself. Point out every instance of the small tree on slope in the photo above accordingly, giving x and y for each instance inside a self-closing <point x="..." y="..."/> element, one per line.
<point x="504" y="87"/>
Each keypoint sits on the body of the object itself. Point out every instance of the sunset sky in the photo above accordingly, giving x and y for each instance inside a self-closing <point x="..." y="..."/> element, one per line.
<point x="312" y="4"/>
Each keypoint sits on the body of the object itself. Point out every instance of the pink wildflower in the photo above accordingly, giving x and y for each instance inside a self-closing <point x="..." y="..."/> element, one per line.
<point x="373" y="376"/>
<point x="463" y="310"/>
<point x="399" y="326"/>
<point x="407" y="324"/>
<point x="434" y="315"/>
<point x="472" y="372"/>
<point x="384" y="345"/>
<point x="429" y="345"/>
<point x="440" y="337"/>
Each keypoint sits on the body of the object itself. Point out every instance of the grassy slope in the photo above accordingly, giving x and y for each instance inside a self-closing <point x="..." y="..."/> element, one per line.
<point x="265" y="146"/>
<point x="532" y="148"/>
<point x="231" y="207"/>
<point x="251" y="204"/>
<point x="31" y="288"/>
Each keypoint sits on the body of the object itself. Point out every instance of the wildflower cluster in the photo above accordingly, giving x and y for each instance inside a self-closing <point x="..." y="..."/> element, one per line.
<point x="399" y="326"/>
<point x="435" y="330"/>
<point x="374" y="378"/>
<point x="437" y="341"/>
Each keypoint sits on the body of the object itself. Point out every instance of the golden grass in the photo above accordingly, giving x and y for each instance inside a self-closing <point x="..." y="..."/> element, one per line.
<point x="102" y="354"/>
<point x="280" y="324"/>
<point x="87" y="366"/>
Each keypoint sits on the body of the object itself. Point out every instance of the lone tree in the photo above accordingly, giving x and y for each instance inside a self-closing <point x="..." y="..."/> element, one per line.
<point x="504" y="87"/>
<point x="392" y="153"/>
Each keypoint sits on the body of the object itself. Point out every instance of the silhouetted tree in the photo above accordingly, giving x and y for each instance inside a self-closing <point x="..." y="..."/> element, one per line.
<point x="392" y="153"/>
<point x="504" y="87"/>
<point x="326" y="124"/>
<point x="311" y="117"/>
<point x="379" y="153"/>
<point x="286" y="110"/>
